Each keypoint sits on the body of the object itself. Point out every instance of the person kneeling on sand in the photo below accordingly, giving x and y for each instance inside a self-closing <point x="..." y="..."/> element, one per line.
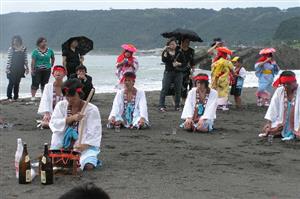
<point x="283" y="114"/>
<point x="64" y="125"/>
<point x="200" y="107"/>
<point x="129" y="108"/>
<point x="51" y="96"/>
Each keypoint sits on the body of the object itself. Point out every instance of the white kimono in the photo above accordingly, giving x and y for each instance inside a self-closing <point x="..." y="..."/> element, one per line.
<point x="210" y="108"/>
<point x="140" y="110"/>
<point x="46" y="103"/>
<point x="92" y="131"/>
<point x="275" y="111"/>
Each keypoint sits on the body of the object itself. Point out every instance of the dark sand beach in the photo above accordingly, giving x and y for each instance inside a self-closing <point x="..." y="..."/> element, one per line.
<point x="231" y="162"/>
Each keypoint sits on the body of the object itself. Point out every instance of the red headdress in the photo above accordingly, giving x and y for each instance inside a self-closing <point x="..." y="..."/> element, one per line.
<point x="284" y="80"/>
<point x="201" y="77"/>
<point x="58" y="68"/>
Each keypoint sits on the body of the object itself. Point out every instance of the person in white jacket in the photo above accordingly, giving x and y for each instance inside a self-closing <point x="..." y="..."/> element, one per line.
<point x="129" y="108"/>
<point x="64" y="125"/>
<point x="52" y="94"/>
<point x="199" y="111"/>
<point x="283" y="115"/>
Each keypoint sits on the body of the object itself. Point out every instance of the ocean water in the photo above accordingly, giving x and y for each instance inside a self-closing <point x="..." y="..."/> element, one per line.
<point x="102" y="69"/>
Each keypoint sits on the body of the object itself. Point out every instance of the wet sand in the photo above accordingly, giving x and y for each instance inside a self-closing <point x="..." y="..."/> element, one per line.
<point x="231" y="162"/>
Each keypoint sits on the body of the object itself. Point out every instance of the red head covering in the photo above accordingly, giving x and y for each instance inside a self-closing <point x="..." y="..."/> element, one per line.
<point x="284" y="80"/>
<point x="201" y="77"/>
<point x="222" y="53"/>
<point x="58" y="68"/>
<point x="263" y="58"/>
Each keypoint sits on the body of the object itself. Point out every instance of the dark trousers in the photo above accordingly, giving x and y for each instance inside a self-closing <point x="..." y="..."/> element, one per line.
<point x="170" y="77"/>
<point x="187" y="85"/>
<point x="13" y="85"/>
<point x="40" y="77"/>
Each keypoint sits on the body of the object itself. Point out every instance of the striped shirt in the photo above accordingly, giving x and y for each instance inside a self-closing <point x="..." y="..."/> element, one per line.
<point x="10" y="54"/>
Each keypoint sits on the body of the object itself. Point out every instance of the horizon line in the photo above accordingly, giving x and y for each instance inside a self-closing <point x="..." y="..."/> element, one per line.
<point x="111" y="9"/>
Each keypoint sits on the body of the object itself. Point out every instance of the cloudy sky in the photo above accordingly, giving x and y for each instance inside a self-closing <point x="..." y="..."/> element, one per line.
<point x="7" y="6"/>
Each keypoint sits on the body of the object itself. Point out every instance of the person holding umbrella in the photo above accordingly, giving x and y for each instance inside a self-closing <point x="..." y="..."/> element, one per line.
<point x="185" y="36"/>
<point x="41" y="64"/>
<point x="72" y="58"/>
<point x="265" y="69"/>
<point x="172" y="57"/>
<point x="73" y="51"/>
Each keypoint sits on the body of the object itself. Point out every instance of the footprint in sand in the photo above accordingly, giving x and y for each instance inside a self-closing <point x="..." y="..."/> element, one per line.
<point x="124" y="154"/>
<point x="109" y="146"/>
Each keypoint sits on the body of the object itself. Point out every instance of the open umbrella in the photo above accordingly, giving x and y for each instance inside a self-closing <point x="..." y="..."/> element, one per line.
<point x="267" y="51"/>
<point x="180" y="34"/>
<point x="85" y="44"/>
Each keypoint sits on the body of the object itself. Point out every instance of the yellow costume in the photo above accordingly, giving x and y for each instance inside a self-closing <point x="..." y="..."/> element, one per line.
<point x="220" y="78"/>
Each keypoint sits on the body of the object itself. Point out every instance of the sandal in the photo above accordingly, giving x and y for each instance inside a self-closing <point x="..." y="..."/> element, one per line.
<point x="163" y="110"/>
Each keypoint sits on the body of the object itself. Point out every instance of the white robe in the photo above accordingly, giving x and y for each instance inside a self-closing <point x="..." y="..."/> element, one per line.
<point x="140" y="110"/>
<point x="275" y="111"/>
<point x="210" y="108"/>
<point x="46" y="102"/>
<point x="92" y="130"/>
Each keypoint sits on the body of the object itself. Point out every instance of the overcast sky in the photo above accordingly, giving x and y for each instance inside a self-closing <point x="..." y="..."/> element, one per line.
<point x="7" y="6"/>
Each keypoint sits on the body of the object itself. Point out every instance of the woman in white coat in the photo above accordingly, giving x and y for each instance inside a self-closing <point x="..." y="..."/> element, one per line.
<point x="199" y="111"/>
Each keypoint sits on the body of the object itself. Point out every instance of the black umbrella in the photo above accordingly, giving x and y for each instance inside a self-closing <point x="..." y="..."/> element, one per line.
<point x="180" y="34"/>
<point x="85" y="45"/>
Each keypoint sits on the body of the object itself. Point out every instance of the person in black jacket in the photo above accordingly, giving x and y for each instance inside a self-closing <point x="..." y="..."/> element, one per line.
<point x="188" y="66"/>
<point x="173" y="59"/>
<point x="86" y="80"/>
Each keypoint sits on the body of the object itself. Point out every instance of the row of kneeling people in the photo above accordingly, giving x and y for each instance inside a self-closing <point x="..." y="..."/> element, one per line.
<point x="129" y="110"/>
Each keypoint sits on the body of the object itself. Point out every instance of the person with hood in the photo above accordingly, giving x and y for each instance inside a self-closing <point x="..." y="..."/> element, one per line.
<point x="126" y="62"/>
<point x="221" y="70"/>
<point x="265" y="69"/>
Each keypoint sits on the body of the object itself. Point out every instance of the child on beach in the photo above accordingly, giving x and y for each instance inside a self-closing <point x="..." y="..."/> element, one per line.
<point x="126" y="62"/>
<point x="238" y="81"/>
